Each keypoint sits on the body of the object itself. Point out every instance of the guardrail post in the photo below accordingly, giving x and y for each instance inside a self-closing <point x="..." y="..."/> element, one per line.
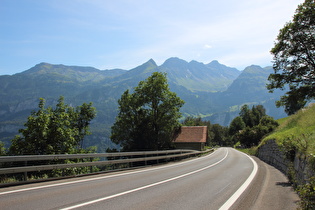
<point x="91" y="167"/>
<point x="25" y="173"/>
<point x="145" y="159"/>
<point x="113" y="161"/>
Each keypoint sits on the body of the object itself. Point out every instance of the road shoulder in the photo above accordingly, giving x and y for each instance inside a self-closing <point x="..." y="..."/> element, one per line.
<point x="269" y="190"/>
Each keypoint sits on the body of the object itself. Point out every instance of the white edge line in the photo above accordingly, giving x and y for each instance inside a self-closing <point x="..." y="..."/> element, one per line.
<point x="102" y="177"/>
<point x="244" y="186"/>
<point x="144" y="187"/>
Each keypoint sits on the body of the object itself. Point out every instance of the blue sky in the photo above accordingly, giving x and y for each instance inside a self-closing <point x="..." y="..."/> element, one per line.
<point x="109" y="34"/>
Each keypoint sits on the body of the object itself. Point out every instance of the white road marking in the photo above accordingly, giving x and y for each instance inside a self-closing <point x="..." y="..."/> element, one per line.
<point x="98" y="178"/>
<point x="144" y="187"/>
<point x="244" y="186"/>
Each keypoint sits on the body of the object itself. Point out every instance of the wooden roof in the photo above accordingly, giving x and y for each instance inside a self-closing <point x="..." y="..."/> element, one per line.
<point x="192" y="134"/>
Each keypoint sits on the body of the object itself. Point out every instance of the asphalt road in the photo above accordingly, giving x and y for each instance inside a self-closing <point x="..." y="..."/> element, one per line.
<point x="211" y="182"/>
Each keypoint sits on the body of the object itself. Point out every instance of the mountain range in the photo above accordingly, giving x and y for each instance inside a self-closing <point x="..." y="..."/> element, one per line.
<point x="212" y="91"/>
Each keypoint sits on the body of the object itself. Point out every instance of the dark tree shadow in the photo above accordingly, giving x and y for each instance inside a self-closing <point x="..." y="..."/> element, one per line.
<point x="284" y="184"/>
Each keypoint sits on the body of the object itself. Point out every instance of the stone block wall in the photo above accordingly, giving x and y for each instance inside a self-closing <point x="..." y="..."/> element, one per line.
<point x="302" y="168"/>
<point x="272" y="154"/>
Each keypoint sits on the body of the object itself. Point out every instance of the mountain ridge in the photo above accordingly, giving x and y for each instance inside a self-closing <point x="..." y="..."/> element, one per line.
<point x="213" y="91"/>
<point x="197" y="76"/>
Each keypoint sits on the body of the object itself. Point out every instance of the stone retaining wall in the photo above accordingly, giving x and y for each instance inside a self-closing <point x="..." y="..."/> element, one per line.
<point x="272" y="154"/>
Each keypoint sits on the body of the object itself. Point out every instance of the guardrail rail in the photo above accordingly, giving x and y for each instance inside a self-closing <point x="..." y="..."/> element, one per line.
<point x="6" y="162"/>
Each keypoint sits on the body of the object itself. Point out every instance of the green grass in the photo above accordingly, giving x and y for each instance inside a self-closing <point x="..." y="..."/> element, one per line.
<point x="249" y="151"/>
<point x="297" y="130"/>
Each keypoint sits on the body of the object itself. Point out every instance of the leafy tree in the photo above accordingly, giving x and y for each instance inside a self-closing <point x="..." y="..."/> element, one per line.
<point x="247" y="137"/>
<point x="247" y="116"/>
<point x="219" y="135"/>
<point x="147" y="117"/>
<point x="258" y="111"/>
<point x="82" y="117"/>
<point x="251" y="125"/>
<point x="251" y="117"/>
<point x="2" y="149"/>
<point x="236" y="125"/>
<point x="251" y="136"/>
<point x="294" y="59"/>
<point x="54" y="131"/>
<point x="269" y="123"/>
<point x="195" y="121"/>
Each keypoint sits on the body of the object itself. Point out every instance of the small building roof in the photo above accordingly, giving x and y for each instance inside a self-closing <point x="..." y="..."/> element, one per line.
<point x="192" y="134"/>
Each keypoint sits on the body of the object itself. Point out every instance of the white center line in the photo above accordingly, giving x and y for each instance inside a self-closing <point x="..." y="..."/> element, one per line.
<point x="99" y="178"/>
<point x="144" y="187"/>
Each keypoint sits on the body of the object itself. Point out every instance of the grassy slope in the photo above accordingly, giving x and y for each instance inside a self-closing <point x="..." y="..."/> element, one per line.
<point x="297" y="130"/>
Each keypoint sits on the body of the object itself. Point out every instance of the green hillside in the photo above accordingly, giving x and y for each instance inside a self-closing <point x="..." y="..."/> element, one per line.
<point x="297" y="131"/>
<point x="196" y="76"/>
<point x="212" y="91"/>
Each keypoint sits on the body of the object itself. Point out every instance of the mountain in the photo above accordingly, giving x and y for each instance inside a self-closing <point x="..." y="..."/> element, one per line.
<point x="74" y="73"/>
<point x="47" y="80"/>
<point x="251" y="83"/>
<point x="212" y="91"/>
<point x="196" y="76"/>
<point x="248" y="88"/>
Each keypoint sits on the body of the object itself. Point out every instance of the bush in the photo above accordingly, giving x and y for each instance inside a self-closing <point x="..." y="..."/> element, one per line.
<point x="307" y="194"/>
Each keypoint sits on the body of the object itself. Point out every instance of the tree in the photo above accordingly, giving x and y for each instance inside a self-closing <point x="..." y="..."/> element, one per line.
<point x="294" y="59"/>
<point x="259" y="112"/>
<point x="251" y="117"/>
<point x="269" y="123"/>
<point x="236" y="125"/>
<point x="247" y="116"/>
<point x="251" y="136"/>
<point x="2" y="149"/>
<point x="195" y="121"/>
<point x="219" y="135"/>
<point x="251" y="125"/>
<point x="54" y="131"/>
<point x="147" y="117"/>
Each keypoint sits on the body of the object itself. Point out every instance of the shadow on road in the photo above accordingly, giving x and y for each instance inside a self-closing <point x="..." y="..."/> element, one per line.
<point x="284" y="184"/>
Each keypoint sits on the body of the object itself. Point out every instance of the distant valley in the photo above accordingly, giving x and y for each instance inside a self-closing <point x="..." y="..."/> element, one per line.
<point x="213" y="91"/>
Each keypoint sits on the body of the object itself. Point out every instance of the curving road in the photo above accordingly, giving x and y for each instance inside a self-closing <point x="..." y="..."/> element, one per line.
<point x="211" y="182"/>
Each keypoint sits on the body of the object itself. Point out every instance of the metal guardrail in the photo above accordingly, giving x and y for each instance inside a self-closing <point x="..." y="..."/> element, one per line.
<point x="125" y="158"/>
<point x="90" y="155"/>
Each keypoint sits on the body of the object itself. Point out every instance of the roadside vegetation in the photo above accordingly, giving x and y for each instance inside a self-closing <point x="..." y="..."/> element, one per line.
<point x="148" y="117"/>
<point x="296" y="134"/>
<point x="52" y="130"/>
<point x="297" y="131"/>
<point x="244" y="132"/>
<point x="294" y="68"/>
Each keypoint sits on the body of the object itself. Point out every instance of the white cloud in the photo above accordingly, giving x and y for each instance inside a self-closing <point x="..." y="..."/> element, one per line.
<point x="207" y="46"/>
<point x="239" y="33"/>
<point x="125" y="33"/>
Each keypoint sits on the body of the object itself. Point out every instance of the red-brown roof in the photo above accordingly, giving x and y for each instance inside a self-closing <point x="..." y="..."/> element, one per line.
<point x="192" y="134"/>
